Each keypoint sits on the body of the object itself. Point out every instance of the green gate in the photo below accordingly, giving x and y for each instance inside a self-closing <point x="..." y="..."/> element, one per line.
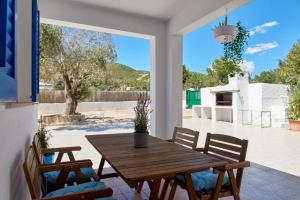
<point x="193" y="97"/>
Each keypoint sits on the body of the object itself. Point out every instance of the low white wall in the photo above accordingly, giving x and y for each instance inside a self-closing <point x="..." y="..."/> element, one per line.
<point x="59" y="108"/>
<point x="17" y="125"/>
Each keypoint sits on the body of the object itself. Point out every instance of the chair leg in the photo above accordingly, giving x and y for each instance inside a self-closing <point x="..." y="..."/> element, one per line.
<point x="190" y="186"/>
<point x="234" y="188"/>
<point x="164" y="189"/>
<point x="140" y="187"/>
<point x="173" y="191"/>
<point x="155" y="189"/>
<point x="218" y="185"/>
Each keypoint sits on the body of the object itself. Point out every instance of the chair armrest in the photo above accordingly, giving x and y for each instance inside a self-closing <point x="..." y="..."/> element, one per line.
<point x="61" y="149"/>
<point x="59" y="166"/>
<point x="87" y="195"/>
<point x="238" y="165"/>
<point x="199" y="149"/>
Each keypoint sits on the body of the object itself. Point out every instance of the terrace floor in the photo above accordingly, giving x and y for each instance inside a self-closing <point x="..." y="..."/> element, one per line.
<point x="276" y="152"/>
<point x="259" y="183"/>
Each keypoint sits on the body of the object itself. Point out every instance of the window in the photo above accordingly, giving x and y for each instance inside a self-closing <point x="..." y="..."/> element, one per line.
<point x="8" y="87"/>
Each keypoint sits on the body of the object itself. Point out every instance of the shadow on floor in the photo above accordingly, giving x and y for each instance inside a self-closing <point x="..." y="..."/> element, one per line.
<point x="97" y="127"/>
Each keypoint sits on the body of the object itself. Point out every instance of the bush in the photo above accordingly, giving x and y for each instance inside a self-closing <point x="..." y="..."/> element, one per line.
<point x="294" y="104"/>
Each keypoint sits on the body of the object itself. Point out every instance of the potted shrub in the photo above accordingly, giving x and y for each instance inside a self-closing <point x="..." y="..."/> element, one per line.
<point x="294" y="108"/>
<point x="43" y="138"/>
<point x="141" y="121"/>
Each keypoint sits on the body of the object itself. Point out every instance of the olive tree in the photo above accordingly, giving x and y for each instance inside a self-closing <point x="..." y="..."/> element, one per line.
<point x="75" y="57"/>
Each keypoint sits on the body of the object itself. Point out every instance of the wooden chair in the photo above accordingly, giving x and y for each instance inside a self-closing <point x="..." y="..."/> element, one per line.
<point x="33" y="173"/>
<point x="182" y="136"/>
<point x="227" y="148"/>
<point x="61" y="151"/>
<point x="88" y="173"/>
<point x="185" y="137"/>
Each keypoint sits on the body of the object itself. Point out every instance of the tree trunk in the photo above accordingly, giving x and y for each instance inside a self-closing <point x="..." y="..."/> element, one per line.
<point x="71" y="101"/>
<point x="71" y="104"/>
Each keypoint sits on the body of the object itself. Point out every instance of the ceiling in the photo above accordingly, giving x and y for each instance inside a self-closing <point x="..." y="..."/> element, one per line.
<point x="162" y="9"/>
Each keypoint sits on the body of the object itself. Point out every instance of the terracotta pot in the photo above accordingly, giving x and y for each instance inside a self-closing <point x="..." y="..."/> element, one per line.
<point x="294" y="125"/>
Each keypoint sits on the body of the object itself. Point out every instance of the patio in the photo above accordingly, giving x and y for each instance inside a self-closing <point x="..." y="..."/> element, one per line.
<point x="163" y="23"/>
<point x="260" y="181"/>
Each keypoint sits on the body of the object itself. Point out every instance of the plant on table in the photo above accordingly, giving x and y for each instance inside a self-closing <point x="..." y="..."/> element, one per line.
<point x="141" y="121"/>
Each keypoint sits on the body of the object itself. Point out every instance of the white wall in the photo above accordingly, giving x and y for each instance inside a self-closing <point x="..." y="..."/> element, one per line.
<point x="17" y="127"/>
<point x="18" y="120"/>
<point x="54" y="108"/>
<point x="24" y="55"/>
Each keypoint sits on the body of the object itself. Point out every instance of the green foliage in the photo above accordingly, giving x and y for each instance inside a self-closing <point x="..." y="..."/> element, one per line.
<point x="120" y="77"/>
<point x="220" y="70"/>
<point x="142" y="114"/>
<point x="74" y="57"/>
<point x="185" y="74"/>
<point x="43" y="134"/>
<point x="233" y="51"/>
<point x="266" y="77"/>
<point x="294" y="104"/>
<point x="289" y="68"/>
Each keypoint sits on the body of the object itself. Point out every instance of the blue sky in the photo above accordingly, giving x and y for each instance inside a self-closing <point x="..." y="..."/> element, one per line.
<point x="274" y="27"/>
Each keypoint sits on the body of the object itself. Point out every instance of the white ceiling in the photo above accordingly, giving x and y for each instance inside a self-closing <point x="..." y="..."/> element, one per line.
<point x="162" y="9"/>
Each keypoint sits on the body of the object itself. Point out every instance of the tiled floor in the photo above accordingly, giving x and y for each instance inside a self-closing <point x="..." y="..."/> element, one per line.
<point x="271" y="147"/>
<point x="259" y="183"/>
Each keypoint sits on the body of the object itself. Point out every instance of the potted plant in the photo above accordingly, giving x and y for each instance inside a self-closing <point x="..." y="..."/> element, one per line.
<point x="141" y="121"/>
<point x="43" y="138"/>
<point x="294" y="108"/>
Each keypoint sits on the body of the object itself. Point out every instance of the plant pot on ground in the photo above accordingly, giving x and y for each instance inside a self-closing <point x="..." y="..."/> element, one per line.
<point x="43" y="139"/>
<point x="294" y="108"/>
<point x="141" y="121"/>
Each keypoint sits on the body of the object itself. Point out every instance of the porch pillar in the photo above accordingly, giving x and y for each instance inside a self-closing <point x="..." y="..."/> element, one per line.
<point x="174" y="83"/>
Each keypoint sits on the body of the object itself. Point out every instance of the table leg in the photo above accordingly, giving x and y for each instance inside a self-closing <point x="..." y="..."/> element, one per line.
<point x="190" y="187"/>
<point x="235" y="190"/>
<point x="100" y="169"/>
<point x="155" y="189"/>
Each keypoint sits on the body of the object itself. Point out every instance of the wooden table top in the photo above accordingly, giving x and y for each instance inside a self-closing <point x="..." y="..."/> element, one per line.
<point x="159" y="160"/>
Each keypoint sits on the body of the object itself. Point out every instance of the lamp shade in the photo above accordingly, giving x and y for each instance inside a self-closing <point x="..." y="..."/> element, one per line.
<point x="225" y="33"/>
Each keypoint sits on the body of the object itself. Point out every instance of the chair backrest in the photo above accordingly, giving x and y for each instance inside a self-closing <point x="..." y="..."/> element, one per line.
<point x="32" y="174"/>
<point x="37" y="149"/>
<point x="185" y="137"/>
<point x="229" y="148"/>
<point x="226" y="147"/>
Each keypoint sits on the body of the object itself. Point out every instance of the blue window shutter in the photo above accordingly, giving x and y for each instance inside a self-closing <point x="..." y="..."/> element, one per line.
<point x="35" y="50"/>
<point x="7" y="51"/>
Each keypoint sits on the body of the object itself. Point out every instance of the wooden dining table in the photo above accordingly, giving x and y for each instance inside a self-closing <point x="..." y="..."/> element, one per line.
<point x="161" y="159"/>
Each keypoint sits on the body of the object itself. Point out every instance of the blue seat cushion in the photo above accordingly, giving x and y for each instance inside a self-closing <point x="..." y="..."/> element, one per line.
<point x="79" y="188"/>
<point x="51" y="177"/>
<point x="206" y="180"/>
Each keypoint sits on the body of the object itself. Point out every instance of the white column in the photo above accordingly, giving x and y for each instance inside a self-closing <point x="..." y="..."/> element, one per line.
<point x="158" y="86"/>
<point x="23" y="48"/>
<point x="174" y="83"/>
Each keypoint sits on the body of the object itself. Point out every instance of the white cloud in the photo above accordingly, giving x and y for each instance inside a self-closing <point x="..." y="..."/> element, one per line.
<point x="263" y="28"/>
<point x="261" y="47"/>
<point x="247" y="66"/>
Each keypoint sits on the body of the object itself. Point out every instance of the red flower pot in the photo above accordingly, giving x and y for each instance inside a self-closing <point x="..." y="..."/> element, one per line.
<point x="294" y="125"/>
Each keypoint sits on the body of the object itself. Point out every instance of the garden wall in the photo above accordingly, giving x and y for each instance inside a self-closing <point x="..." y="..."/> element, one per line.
<point x="58" y="96"/>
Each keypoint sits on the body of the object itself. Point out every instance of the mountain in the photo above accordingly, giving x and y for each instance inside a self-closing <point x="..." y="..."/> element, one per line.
<point x="122" y="77"/>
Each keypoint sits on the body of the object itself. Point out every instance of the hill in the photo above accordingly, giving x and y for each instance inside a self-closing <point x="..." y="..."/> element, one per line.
<point x="122" y="77"/>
